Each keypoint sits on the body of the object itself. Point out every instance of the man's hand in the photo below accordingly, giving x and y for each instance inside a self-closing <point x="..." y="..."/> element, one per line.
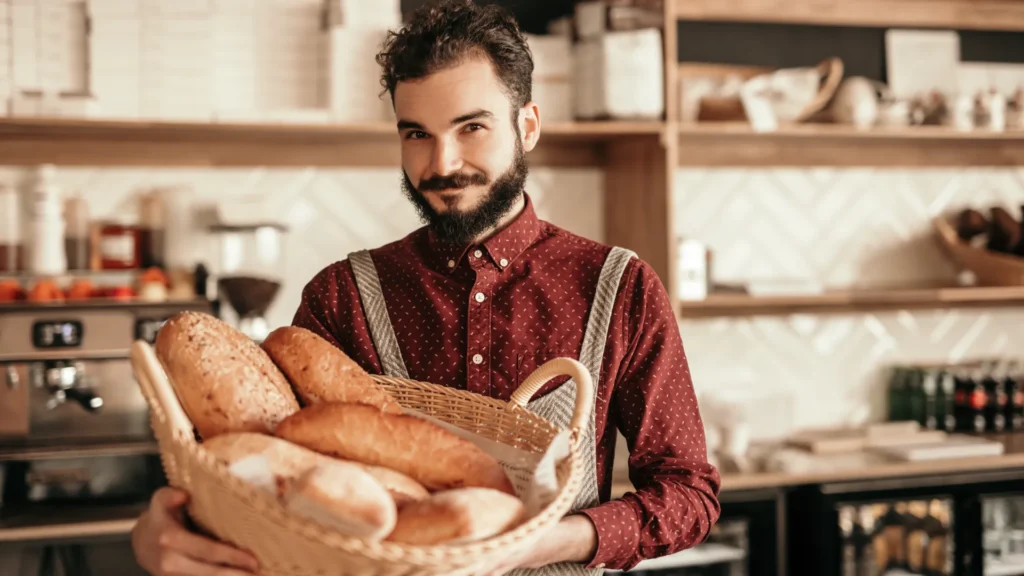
<point x="164" y="547"/>
<point x="574" y="539"/>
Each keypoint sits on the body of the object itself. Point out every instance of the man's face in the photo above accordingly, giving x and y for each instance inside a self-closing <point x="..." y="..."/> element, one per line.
<point x="463" y="155"/>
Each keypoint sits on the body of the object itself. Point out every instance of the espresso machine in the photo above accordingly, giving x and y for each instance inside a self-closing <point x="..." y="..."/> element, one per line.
<point x="77" y="455"/>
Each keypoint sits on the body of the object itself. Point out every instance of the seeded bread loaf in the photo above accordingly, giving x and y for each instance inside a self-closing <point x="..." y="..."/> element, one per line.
<point x="320" y="372"/>
<point x="224" y="381"/>
<point x="429" y="454"/>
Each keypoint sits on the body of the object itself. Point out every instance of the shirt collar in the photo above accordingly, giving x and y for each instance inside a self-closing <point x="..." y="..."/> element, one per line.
<point x="502" y="248"/>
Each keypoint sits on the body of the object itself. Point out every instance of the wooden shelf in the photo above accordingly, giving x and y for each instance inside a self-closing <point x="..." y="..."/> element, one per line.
<point x="713" y="144"/>
<point x="733" y="305"/>
<point x="957" y="14"/>
<point x="128" y="143"/>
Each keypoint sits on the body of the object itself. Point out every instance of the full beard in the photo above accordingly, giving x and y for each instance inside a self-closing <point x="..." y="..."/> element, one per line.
<point x="461" y="227"/>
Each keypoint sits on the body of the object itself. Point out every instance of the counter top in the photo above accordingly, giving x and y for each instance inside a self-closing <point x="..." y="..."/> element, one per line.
<point x="865" y="466"/>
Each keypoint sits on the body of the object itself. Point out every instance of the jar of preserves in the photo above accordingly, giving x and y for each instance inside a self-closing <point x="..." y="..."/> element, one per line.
<point x="119" y="246"/>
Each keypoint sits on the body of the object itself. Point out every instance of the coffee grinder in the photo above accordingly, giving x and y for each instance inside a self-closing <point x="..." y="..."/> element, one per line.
<point x="250" y="271"/>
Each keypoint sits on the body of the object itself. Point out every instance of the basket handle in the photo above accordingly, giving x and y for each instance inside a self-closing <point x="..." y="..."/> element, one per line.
<point x="154" y="383"/>
<point x="552" y="369"/>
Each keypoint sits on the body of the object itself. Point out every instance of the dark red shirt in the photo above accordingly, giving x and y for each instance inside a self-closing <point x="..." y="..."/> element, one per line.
<point x="483" y="317"/>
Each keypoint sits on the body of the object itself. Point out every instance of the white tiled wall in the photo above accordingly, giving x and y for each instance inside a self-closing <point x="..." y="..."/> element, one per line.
<point x="835" y="228"/>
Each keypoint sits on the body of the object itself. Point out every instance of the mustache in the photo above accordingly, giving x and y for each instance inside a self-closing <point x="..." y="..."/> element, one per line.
<point x="452" y="181"/>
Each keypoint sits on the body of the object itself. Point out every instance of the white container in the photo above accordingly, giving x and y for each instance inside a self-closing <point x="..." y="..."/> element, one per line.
<point x="47" y="225"/>
<point x="620" y="76"/>
<point x="355" y="90"/>
<point x="694" y="277"/>
<point x="552" y="77"/>
<point x="591" y="19"/>
<point x="364" y="13"/>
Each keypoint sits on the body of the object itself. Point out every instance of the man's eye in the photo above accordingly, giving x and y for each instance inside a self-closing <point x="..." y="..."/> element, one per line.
<point x="473" y="127"/>
<point x="415" y="135"/>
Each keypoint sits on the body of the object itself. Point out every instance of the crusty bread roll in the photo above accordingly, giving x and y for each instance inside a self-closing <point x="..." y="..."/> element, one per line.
<point x="401" y="487"/>
<point x="415" y="447"/>
<point x="320" y="372"/>
<point x="224" y="381"/>
<point x="457" y="517"/>
<point x="339" y="494"/>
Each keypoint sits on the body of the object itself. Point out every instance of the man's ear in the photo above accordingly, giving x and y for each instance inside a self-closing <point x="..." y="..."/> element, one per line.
<point x="529" y="125"/>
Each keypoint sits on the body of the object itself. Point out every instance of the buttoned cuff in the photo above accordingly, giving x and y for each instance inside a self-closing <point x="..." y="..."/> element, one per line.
<point x="618" y="535"/>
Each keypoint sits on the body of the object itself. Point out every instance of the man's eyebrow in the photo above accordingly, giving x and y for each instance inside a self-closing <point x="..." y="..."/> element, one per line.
<point x="474" y="115"/>
<point x="409" y="125"/>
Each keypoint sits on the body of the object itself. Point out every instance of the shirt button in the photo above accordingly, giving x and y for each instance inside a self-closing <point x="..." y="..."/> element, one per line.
<point x="478" y="359"/>
<point x="451" y="263"/>
<point x="478" y="254"/>
<point x="504" y="262"/>
<point x="480" y="297"/>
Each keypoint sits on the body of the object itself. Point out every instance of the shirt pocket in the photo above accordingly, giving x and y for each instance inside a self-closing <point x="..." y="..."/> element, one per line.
<point x="528" y="360"/>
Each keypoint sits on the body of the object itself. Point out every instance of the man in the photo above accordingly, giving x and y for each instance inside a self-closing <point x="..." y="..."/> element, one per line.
<point x="486" y="293"/>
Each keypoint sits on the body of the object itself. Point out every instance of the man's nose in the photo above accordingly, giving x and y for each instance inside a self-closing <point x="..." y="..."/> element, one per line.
<point x="447" y="157"/>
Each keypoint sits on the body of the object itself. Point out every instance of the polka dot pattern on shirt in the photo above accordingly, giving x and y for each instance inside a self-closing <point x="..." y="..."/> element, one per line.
<point x="510" y="304"/>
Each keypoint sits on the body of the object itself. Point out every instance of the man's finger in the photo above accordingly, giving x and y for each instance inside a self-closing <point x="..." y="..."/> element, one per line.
<point x="169" y="498"/>
<point x="177" y="565"/>
<point x="208" y="551"/>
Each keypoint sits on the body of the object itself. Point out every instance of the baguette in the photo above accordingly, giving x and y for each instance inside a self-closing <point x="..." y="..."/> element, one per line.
<point x="338" y="494"/>
<point x="224" y="381"/>
<point x="401" y="487"/>
<point x="320" y="372"/>
<point x="457" y="517"/>
<point x="429" y="454"/>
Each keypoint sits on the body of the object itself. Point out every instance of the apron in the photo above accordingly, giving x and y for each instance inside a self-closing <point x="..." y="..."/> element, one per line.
<point x="556" y="406"/>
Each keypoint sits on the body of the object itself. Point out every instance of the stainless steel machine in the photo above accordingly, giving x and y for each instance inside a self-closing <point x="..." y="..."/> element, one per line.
<point x="78" y="461"/>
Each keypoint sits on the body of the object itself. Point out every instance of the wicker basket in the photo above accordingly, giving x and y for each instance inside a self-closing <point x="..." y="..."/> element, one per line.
<point x="285" y="544"/>
<point x="990" y="268"/>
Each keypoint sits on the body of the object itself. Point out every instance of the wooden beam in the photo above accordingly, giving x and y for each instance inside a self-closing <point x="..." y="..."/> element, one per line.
<point x="960" y="14"/>
<point x="637" y="196"/>
<point x="849" y="301"/>
<point x="713" y="144"/>
<point x="122" y="143"/>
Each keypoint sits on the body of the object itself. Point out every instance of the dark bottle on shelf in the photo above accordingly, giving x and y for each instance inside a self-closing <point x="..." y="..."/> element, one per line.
<point x="916" y="543"/>
<point x="917" y="400"/>
<point x="1019" y="248"/>
<point x="850" y="536"/>
<point x="890" y="538"/>
<point x="995" y="395"/>
<point x="947" y="401"/>
<point x="871" y="551"/>
<point x="970" y="401"/>
<point x="1014" y="386"/>
<point x="899" y="407"/>
<point x="930" y="389"/>
<point x="937" y="554"/>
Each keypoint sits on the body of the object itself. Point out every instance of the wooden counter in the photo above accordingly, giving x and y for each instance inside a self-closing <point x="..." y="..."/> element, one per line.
<point x="867" y="466"/>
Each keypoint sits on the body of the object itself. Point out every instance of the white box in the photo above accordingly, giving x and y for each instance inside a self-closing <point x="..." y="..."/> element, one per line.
<point x="620" y="76"/>
<point x="364" y="14"/>
<point x="355" y="89"/>
<point x="591" y="19"/>
<point x="552" y="77"/>
<point x="24" y="46"/>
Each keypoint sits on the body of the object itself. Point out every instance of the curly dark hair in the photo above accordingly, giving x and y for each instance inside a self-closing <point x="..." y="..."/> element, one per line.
<point x="444" y="33"/>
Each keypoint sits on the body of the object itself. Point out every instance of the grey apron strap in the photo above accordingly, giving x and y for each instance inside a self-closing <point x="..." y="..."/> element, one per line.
<point x="376" y="312"/>
<point x="558" y="405"/>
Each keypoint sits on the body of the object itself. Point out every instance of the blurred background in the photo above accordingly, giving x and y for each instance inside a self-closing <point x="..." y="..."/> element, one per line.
<point x="830" y="190"/>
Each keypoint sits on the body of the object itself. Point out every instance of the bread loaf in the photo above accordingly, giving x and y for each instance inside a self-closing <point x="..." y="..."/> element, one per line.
<point x="457" y="517"/>
<point x="401" y="487"/>
<point x="429" y="454"/>
<point x="224" y="381"/>
<point x="338" y="494"/>
<point x="320" y="372"/>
